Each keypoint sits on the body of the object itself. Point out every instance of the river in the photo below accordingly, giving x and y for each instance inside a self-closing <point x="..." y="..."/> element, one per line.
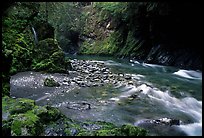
<point x="165" y="92"/>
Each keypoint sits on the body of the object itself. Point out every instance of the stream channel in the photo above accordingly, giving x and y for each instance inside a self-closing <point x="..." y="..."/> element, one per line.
<point x="148" y="94"/>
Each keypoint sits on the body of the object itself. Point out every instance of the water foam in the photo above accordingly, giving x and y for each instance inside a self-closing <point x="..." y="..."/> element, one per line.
<point x="187" y="105"/>
<point x="111" y="62"/>
<point x="190" y="74"/>
<point x="194" y="129"/>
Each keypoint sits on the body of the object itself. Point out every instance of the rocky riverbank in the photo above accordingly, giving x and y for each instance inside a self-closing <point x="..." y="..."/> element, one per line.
<point x="92" y="73"/>
<point x="21" y="117"/>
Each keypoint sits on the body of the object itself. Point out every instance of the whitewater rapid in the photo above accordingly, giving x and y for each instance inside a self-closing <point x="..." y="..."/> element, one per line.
<point x="190" y="74"/>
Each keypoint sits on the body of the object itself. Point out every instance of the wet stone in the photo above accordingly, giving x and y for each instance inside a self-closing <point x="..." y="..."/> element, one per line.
<point x="78" y="106"/>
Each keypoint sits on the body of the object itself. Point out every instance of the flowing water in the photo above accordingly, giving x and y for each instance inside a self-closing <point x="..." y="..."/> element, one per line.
<point x="35" y="36"/>
<point x="164" y="92"/>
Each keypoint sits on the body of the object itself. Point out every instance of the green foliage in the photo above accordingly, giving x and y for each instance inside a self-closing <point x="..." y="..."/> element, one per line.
<point x="108" y="46"/>
<point x="132" y="45"/>
<point x="115" y="9"/>
<point x="49" y="57"/>
<point x="17" y="43"/>
<point x="63" y="16"/>
<point x="5" y="88"/>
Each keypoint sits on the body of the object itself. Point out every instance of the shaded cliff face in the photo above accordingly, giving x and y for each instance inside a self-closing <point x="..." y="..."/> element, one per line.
<point x="176" y="35"/>
<point x="171" y="30"/>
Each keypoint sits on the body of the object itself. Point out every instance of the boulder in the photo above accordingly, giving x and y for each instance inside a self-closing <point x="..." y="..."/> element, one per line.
<point x="50" y="82"/>
<point x="27" y="124"/>
<point x="50" y="58"/>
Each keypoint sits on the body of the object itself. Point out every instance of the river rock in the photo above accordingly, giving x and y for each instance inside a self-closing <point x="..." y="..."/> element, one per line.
<point x="78" y="105"/>
<point x="161" y="121"/>
<point x="50" y="82"/>
<point x="127" y="77"/>
<point x="167" y="121"/>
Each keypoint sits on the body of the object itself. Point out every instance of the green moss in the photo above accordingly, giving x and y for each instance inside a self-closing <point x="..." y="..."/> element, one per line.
<point x="125" y="130"/>
<point x="47" y="113"/>
<point x="105" y="133"/>
<point x="102" y="47"/>
<point x="47" y="46"/>
<point x="50" y="82"/>
<point x="15" y="106"/>
<point x="131" y="130"/>
<point x="27" y="124"/>
<point x="53" y="113"/>
<point x="57" y="56"/>
<point x="85" y="133"/>
<point x="51" y="61"/>
<point x="68" y="132"/>
<point x="22" y="105"/>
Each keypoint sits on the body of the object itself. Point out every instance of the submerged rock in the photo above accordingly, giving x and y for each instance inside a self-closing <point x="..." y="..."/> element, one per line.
<point x="78" y="105"/>
<point x="161" y="121"/>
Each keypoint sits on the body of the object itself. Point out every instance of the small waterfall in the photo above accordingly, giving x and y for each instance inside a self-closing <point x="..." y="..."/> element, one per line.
<point x="35" y="36"/>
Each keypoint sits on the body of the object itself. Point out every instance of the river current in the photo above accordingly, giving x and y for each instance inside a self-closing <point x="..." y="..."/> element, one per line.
<point x="164" y="92"/>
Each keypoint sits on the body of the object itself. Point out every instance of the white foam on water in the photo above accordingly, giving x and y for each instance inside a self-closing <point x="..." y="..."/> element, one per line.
<point x="111" y="62"/>
<point x="190" y="74"/>
<point x="187" y="105"/>
<point x="127" y="91"/>
<point x="137" y="76"/>
<point x="155" y="66"/>
<point x="194" y="129"/>
<point x="152" y="65"/>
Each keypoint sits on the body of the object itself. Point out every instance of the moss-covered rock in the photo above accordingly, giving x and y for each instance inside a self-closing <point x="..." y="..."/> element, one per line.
<point x="50" y="58"/>
<point x="100" y="128"/>
<point x="50" y="82"/>
<point x="47" y="113"/>
<point x="15" y="106"/>
<point x="125" y="130"/>
<point x="21" y="117"/>
<point x="131" y="130"/>
<point x="46" y="47"/>
<point x="22" y="105"/>
<point x="31" y="120"/>
<point x="27" y="124"/>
